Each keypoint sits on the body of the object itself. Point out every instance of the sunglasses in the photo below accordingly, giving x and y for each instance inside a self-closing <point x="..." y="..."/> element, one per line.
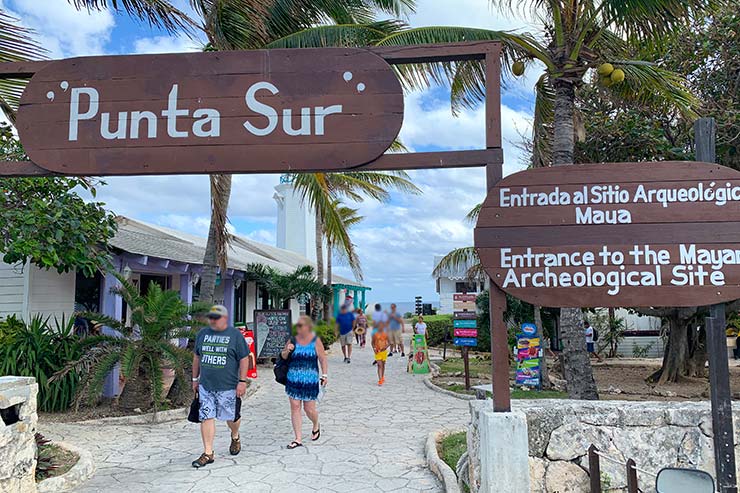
<point x="214" y="317"/>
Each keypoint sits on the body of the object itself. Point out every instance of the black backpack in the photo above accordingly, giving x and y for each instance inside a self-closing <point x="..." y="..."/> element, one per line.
<point x="596" y="335"/>
<point x="281" y="367"/>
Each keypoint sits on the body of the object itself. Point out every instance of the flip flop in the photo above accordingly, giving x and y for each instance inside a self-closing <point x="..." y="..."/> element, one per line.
<point x="293" y="445"/>
<point x="315" y="435"/>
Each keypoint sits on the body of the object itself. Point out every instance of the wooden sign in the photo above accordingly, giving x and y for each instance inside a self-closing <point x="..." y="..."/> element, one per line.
<point x="610" y="235"/>
<point x="273" y="328"/>
<point x="324" y="109"/>
<point x="468" y="315"/>
<point x="465" y="341"/>
<point x="464" y="297"/>
<point x="463" y="305"/>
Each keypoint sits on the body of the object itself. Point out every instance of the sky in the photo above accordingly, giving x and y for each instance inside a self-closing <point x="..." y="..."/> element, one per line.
<point x="397" y="240"/>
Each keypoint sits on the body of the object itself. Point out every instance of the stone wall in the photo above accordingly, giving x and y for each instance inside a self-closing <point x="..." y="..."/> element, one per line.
<point x="654" y="434"/>
<point x="17" y="431"/>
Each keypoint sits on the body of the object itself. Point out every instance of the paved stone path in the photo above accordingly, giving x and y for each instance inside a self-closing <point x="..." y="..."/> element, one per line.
<point x="372" y="440"/>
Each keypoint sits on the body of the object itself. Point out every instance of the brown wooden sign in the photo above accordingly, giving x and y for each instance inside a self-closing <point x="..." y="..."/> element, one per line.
<point x="610" y="235"/>
<point x="274" y="111"/>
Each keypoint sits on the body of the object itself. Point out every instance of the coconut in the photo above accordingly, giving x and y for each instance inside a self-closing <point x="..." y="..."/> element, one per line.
<point x="518" y="68"/>
<point x="605" y="69"/>
<point x="617" y="76"/>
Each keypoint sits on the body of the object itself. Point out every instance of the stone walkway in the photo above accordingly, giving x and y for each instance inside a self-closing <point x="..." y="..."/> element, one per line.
<point x="372" y="440"/>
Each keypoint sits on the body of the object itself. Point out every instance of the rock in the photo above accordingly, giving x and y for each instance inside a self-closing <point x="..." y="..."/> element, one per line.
<point x="573" y="439"/>
<point x="540" y="425"/>
<point x="138" y="410"/>
<point x="613" y="390"/>
<point x="537" y="468"/>
<point x="17" y="430"/>
<point x="566" y="477"/>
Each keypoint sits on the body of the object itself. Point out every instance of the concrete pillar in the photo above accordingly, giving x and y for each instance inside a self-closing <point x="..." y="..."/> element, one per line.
<point x="186" y="289"/>
<point x="362" y="303"/>
<point x="229" y="298"/>
<point x="336" y="290"/>
<point x="112" y="306"/>
<point x="504" y="452"/>
<point x="355" y="299"/>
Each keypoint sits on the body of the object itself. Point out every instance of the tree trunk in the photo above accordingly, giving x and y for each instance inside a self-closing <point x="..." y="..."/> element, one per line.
<point x="685" y="353"/>
<point x="613" y="341"/>
<point x="329" y="307"/>
<point x="137" y="392"/>
<point x="545" y="374"/>
<point x="216" y="246"/>
<point x="576" y="362"/>
<point x="318" y="304"/>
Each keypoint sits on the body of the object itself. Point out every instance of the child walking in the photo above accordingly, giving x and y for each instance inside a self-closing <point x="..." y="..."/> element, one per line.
<point x="380" y="346"/>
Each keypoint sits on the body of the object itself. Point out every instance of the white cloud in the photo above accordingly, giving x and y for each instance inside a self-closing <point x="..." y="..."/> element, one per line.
<point x="61" y="29"/>
<point x="166" y="44"/>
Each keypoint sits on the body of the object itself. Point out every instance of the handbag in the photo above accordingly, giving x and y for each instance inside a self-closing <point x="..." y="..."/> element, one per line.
<point x="282" y="366"/>
<point x="194" y="414"/>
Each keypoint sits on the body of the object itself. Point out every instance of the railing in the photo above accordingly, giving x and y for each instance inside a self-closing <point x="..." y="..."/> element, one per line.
<point x="594" y="468"/>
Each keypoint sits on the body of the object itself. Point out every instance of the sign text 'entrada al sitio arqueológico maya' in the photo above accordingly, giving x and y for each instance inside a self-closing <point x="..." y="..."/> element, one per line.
<point x="620" y="234"/>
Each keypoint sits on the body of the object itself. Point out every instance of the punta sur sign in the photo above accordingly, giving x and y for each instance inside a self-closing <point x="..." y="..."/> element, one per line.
<point x="271" y="111"/>
<point x="653" y="234"/>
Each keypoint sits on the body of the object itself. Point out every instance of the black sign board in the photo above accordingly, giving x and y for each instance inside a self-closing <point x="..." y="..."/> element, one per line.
<point x="273" y="329"/>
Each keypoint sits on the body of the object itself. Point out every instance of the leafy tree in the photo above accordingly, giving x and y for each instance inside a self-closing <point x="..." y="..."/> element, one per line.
<point x="349" y="217"/>
<point x="46" y="221"/>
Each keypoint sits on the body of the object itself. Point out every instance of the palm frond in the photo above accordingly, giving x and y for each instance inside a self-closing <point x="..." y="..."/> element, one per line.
<point x="472" y="215"/>
<point x="16" y="45"/>
<point x="456" y="260"/>
<point x="348" y="35"/>
<point x="158" y="13"/>
<point x="542" y="125"/>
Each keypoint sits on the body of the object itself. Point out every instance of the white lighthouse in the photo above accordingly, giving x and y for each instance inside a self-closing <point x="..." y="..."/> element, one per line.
<point x="296" y="222"/>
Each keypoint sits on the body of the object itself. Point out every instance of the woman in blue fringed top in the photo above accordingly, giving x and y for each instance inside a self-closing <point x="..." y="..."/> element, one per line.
<point x="305" y="357"/>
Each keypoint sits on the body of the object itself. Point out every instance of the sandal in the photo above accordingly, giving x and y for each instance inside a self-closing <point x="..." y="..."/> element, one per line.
<point x="315" y="435"/>
<point x="294" y="444"/>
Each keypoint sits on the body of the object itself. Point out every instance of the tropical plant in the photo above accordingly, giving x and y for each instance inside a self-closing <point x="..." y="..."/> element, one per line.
<point x="39" y="349"/>
<point x="45" y="464"/>
<point x="16" y="45"/>
<point x="143" y="349"/>
<point x="283" y="287"/>
<point x="323" y="193"/>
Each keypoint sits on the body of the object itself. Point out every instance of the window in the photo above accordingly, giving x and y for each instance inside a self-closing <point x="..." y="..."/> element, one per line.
<point x="466" y="287"/>
<point x="87" y="292"/>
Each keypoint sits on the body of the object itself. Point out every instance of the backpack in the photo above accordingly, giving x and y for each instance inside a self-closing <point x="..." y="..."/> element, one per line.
<point x="282" y="366"/>
<point x="596" y="335"/>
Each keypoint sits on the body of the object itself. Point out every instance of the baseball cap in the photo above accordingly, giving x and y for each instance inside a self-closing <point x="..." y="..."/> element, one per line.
<point x="218" y="311"/>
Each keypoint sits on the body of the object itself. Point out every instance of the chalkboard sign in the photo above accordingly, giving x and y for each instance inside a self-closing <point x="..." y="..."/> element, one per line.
<point x="273" y="329"/>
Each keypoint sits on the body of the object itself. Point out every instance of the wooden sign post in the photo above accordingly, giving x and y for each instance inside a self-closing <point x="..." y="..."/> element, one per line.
<point x="465" y="328"/>
<point x="622" y="235"/>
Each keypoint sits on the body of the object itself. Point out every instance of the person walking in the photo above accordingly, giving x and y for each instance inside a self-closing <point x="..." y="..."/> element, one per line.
<point x="305" y="353"/>
<point x="360" y="327"/>
<point x="591" y="337"/>
<point x="344" y="325"/>
<point x="396" y="327"/>
<point x="380" y="346"/>
<point x="380" y="319"/>
<point x="220" y="365"/>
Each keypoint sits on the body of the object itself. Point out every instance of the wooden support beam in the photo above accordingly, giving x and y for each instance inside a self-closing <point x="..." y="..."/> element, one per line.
<point x="448" y="52"/>
<point x="434" y="160"/>
<point x="21" y="70"/>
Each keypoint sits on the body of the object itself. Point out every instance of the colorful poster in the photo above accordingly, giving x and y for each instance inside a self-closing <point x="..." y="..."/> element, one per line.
<point x="528" y="356"/>
<point x="249" y="338"/>
<point x="419" y="354"/>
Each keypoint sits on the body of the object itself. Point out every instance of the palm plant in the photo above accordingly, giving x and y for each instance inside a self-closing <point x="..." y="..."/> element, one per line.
<point x="143" y="349"/>
<point x="349" y="217"/>
<point x="283" y="287"/>
<point x="322" y="191"/>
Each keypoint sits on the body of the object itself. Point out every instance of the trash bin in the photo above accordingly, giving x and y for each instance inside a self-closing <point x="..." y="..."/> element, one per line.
<point x="17" y="434"/>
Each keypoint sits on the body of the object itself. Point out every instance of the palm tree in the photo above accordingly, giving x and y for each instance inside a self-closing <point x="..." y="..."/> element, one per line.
<point x="282" y="287"/>
<point x="322" y="191"/>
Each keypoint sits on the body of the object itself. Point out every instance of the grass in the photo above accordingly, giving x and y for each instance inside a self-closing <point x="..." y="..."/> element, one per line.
<point x="452" y="448"/>
<point x="515" y="393"/>
<point x="453" y="365"/>
<point x="61" y="459"/>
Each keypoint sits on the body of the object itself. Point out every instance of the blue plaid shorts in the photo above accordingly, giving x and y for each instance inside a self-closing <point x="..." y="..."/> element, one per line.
<point x="222" y="405"/>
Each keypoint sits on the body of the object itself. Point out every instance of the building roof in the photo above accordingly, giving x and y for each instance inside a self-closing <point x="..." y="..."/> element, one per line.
<point x="141" y="238"/>
<point x="457" y="273"/>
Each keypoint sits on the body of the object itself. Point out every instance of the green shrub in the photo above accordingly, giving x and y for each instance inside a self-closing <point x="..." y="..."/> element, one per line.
<point x="9" y="328"/>
<point x="437" y="327"/>
<point x="325" y="331"/>
<point x="39" y="350"/>
<point x="453" y="447"/>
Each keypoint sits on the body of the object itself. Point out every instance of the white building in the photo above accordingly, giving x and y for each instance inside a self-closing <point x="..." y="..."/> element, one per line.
<point x="451" y="281"/>
<point x="296" y="223"/>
